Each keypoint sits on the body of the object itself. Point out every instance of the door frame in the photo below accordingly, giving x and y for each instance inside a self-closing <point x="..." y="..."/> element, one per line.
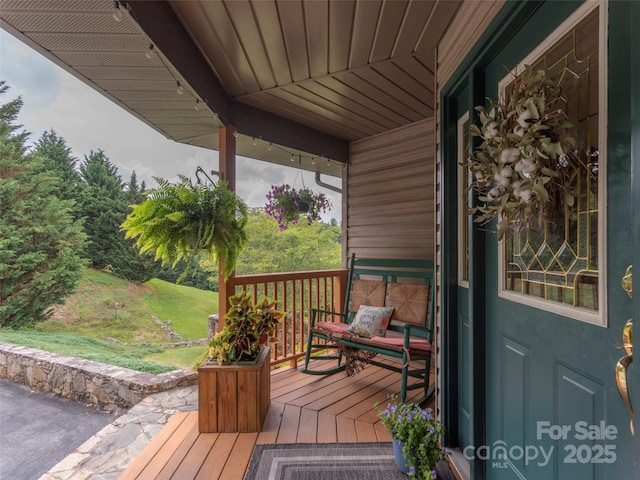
<point x="511" y="18"/>
<point x="634" y="56"/>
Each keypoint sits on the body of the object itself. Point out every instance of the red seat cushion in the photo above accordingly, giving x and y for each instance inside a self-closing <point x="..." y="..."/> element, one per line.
<point x="338" y="330"/>
<point x="414" y="343"/>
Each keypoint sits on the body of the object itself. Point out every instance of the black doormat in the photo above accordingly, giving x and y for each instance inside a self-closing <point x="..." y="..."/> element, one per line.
<point x="329" y="461"/>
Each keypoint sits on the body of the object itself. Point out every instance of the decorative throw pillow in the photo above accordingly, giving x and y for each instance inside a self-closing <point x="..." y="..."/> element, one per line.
<point x="371" y="321"/>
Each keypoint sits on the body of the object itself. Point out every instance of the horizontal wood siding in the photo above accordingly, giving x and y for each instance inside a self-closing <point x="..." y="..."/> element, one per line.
<point x="390" y="182"/>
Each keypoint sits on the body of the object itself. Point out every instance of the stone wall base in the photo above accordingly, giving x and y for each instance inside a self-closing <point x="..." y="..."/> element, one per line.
<point x="105" y="386"/>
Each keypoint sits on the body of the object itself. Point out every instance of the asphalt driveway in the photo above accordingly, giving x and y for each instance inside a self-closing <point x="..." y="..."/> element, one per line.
<point x="39" y="429"/>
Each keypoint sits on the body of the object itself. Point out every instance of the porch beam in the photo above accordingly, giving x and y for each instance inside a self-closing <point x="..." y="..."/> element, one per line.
<point x="227" y="168"/>
<point x="159" y="22"/>
<point x="258" y="123"/>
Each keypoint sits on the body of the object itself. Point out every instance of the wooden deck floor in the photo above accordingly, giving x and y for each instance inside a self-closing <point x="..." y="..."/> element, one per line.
<point x="304" y="409"/>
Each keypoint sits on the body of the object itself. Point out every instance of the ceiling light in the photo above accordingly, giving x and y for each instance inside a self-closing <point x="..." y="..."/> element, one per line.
<point x="150" y="52"/>
<point x="180" y="89"/>
<point x="118" y="14"/>
<point x="197" y="105"/>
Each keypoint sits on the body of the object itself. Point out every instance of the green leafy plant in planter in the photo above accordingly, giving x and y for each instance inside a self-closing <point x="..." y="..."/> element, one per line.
<point x="248" y="327"/>
<point x="287" y="205"/>
<point x="184" y="220"/>
<point x="419" y="433"/>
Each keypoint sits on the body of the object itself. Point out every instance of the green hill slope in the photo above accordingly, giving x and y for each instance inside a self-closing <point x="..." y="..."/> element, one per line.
<point x="111" y="320"/>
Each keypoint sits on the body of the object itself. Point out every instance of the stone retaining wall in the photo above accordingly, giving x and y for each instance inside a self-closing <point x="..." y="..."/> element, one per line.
<point x="93" y="383"/>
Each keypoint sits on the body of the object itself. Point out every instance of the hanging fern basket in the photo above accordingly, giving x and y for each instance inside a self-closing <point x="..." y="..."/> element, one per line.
<point x="184" y="220"/>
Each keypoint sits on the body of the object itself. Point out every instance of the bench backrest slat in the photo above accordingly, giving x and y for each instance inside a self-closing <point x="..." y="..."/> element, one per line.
<point x="393" y="271"/>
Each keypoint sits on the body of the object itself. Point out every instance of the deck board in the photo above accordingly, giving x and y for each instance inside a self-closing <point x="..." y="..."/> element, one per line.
<point x="308" y="429"/>
<point x="240" y="456"/>
<point x="289" y="425"/>
<point x="304" y="409"/>
<point x="327" y="428"/>
<point x="217" y="457"/>
<point x="194" y="459"/>
<point x="271" y="425"/>
<point x="178" y="455"/>
<point x="365" y="432"/>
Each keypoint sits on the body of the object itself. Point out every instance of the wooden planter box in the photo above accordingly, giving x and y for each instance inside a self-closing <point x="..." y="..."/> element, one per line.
<point x="234" y="398"/>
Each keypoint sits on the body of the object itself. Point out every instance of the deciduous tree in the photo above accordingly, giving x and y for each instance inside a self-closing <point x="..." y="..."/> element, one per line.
<point x="301" y="247"/>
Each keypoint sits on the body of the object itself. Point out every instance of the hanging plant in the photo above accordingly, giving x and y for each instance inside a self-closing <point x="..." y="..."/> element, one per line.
<point x="183" y="220"/>
<point x="287" y="205"/>
<point x="523" y="169"/>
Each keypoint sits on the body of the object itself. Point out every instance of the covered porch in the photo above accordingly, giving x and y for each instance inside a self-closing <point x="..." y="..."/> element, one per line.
<point x="349" y="90"/>
<point x="304" y="409"/>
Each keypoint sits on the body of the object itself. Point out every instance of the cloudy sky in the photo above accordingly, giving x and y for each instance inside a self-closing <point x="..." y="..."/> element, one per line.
<point x="55" y="100"/>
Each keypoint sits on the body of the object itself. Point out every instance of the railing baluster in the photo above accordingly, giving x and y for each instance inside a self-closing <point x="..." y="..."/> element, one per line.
<point x="296" y="293"/>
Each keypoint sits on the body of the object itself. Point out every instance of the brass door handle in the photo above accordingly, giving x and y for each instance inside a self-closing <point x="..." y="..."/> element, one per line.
<point x="627" y="344"/>
<point x="627" y="281"/>
<point x="621" y="370"/>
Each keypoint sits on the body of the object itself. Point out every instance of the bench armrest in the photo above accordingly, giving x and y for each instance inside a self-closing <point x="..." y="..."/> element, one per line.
<point x="410" y="330"/>
<point x="315" y="312"/>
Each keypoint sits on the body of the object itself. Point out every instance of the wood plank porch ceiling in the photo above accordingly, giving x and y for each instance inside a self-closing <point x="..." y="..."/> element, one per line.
<point x="308" y="75"/>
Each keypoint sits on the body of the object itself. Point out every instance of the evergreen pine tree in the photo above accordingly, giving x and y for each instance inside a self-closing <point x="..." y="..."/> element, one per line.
<point x="40" y="244"/>
<point x="104" y="203"/>
<point x="58" y="162"/>
<point x="134" y="193"/>
<point x="131" y="264"/>
<point x="104" y="208"/>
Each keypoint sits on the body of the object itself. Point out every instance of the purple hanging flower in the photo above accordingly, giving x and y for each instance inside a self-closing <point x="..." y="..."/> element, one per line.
<point x="286" y="205"/>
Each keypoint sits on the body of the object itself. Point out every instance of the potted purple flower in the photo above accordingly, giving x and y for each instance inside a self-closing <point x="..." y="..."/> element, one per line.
<point x="287" y="205"/>
<point x="415" y="434"/>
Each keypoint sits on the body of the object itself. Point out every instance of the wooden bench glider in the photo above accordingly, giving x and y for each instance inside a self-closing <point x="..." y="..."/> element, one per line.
<point x="405" y="285"/>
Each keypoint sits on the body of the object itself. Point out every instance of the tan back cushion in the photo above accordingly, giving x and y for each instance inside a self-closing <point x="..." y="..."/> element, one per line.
<point x="367" y="292"/>
<point x="410" y="302"/>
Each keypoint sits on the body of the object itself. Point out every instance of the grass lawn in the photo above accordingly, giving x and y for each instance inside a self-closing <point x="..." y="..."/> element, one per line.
<point x="188" y="308"/>
<point x="185" y="357"/>
<point x="88" y="348"/>
<point x="106" y="307"/>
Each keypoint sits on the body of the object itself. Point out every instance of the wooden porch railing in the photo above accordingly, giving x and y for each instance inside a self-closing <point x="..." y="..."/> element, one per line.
<point x="295" y="293"/>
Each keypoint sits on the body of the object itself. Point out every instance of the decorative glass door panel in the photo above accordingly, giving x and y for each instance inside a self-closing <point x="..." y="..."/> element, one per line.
<point x="557" y="259"/>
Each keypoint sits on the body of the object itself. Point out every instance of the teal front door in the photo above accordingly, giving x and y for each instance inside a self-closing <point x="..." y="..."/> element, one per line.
<point x="549" y="303"/>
